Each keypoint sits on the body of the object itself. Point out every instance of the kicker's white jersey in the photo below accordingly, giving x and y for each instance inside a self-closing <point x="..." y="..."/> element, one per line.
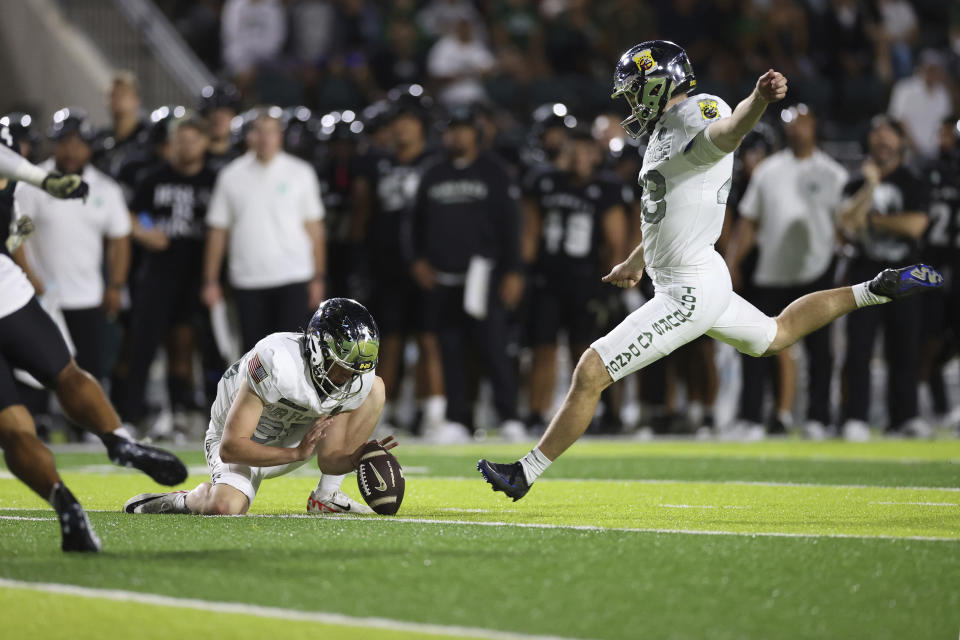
<point x="276" y="370"/>
<point x="684" y="201"/>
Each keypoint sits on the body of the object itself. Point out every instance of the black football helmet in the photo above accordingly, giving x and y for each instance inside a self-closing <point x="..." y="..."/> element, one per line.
<point x="648" y="75"/>
<point x="71" y="120"/>
<point x="219" y="96"/>
<point x="341" y="332"/>
<point x="21" y="127"/>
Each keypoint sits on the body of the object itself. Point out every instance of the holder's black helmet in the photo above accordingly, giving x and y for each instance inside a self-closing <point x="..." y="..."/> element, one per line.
<point x="648" y="75"/>
<point x="341" y="332"/>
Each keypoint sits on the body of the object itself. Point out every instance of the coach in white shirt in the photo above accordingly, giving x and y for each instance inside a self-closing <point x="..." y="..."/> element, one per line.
<point x="266" y="214"/>
<point x="788" y="213"/>
<point x="67" y="250"/>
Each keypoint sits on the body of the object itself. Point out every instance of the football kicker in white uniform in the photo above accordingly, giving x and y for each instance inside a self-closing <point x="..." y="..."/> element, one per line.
<point x="685" y="177"/>
<point x="291" y="395"/>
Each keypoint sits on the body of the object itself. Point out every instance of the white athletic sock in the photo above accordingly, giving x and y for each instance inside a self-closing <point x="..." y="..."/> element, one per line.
<point x="180" y="502"/>
<point x="434" y="409"/>
<point x="329" y="485"/>
<point x="865" y="297"/>
<point x="534" y="463"/>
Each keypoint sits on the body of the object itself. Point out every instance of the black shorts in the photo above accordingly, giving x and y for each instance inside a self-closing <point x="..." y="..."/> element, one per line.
<point x="575" y="307"/>
<point x="398" y="304"/>
<point x="29" y="340"/>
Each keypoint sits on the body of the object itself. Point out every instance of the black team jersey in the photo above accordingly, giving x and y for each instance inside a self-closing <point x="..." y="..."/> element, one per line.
<point x="394" y="188"/>
<point x="571" y="221"/>
<point x="898" y="192"/>
<point x="943" y="235"/>
<point x="464" y="212"/>
<point x="176" y="204"/>
<point x="6" y="214"/>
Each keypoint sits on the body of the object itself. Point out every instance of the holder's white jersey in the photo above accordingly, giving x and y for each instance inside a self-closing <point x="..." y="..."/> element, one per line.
<point x="684" y="195"/>
<point x="276" y="370"/>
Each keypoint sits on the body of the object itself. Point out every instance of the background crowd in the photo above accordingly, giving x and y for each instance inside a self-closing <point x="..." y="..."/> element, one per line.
<point x="459" y="168"/>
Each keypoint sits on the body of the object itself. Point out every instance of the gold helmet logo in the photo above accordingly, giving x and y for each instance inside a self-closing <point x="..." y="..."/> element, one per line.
<point x="644" y="60"/>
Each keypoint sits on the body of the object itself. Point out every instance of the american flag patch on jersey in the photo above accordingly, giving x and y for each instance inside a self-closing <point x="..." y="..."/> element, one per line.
<point x="255" y="367"/>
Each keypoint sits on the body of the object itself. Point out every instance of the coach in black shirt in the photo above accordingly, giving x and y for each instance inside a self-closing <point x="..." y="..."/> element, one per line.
<point x="884" y="216"/>
<point x="170" y="203"/>
<point x="466" y="208"/>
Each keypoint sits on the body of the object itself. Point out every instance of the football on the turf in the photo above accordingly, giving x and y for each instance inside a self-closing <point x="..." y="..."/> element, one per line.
<point x="380" y="479"/>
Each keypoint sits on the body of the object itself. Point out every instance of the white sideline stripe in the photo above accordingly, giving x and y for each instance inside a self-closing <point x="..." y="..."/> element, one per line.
<point x="923" y="504"/>
<point x="269" y="612"/>
<point x="25" y="518"/>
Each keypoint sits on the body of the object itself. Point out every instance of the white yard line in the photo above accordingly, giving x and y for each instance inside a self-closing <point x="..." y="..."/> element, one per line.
<point x="599" y="529"/>
<point x="539" y="525"/>
<point x="239" y="608"/>
<point x="197" y="470"/>
<point x="923" y="504"/>
<point x="25" y="518"/>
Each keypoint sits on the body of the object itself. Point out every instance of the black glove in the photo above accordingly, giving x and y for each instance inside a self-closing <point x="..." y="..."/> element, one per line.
<point x="65" y="186"/>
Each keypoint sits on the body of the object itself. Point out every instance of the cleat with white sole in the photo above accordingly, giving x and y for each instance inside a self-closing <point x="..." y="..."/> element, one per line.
<point x="336" y="502"/>
<point x="156" y="503"/>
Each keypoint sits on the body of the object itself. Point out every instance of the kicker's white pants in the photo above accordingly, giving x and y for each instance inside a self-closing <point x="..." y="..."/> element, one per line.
<point x="688" y="303"/>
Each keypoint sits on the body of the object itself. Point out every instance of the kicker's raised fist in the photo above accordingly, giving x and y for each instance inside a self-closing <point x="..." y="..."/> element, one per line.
<point x="772" y="86"/>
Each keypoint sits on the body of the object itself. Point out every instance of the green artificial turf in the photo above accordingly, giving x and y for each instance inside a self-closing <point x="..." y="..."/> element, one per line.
<point x="770" y="561"/>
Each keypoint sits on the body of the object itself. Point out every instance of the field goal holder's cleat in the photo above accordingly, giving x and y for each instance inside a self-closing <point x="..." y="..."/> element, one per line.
<point x="508" y="478"/>
<point x="336" y="502"/>
<point x="899" y="283"/>
<point x="153" y="503"/>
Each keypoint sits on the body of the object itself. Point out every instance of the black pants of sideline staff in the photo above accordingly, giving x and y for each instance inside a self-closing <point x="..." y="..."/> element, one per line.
<point x="463" y="340"/>
<point x="756" y="371"/>
<point x="903" y="326"/>
<point x="269" y="310"/>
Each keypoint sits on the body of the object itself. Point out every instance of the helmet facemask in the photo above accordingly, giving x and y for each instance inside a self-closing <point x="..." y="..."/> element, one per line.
<point x="323" y="359"/>
<point x="646" y="96"/>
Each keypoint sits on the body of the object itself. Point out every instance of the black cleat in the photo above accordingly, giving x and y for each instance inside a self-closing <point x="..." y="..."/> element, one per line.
<point x="899" y="283"/>
<point x="508" y="478"/>
<point x="77" y="533"/>
<point x="162" y="466"/>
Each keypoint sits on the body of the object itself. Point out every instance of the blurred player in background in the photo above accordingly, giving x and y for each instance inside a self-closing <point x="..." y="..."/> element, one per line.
<point x="266" y="217"/>
<point x="788" y="213"/>
<point x="219" y="104"/>
<point x="575" y="230"/>
<point x="81" y="251"/>
<point x="884" y="216"/>
<point x="465" y="237"/>
<point x="116" y="145"/>
<point x="30" y="340"/>
<point x="686" y="174"/>
<point x="942" y="251"/>
<point x="171" y="200"/>
<point x="292" y="395"/>
<point x="384" y="198"/>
